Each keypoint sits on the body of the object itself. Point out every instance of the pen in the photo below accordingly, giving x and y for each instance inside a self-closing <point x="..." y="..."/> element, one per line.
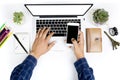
<point x="20" y="43"/>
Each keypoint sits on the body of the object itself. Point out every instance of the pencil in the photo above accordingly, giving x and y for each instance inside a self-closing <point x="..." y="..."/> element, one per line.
<point x="20" y="43"/>
<point x="2" y="27"/>
<point x="8" y="36"/>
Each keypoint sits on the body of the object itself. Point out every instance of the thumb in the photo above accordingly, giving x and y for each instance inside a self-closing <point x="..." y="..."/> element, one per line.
<point x="51" y="45"/>
<point x="74" y="42"/>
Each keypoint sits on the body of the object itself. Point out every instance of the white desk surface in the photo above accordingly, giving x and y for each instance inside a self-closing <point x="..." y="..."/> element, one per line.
<point x="57" y="66"/>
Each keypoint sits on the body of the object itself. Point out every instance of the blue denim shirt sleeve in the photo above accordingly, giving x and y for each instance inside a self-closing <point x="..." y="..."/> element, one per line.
<point x="24" y="70"/>
<point x="83" y="70"/>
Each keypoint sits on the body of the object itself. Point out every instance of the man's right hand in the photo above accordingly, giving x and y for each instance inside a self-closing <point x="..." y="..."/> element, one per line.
<point x="79" y="46"/>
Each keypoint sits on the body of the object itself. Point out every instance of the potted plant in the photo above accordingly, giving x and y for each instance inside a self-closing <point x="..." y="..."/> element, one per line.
<point x="18" y="17"/>
<point x="100" y="16"/>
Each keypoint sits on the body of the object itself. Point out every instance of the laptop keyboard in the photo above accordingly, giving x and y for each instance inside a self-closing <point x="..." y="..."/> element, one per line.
<point x="58" y="26"/>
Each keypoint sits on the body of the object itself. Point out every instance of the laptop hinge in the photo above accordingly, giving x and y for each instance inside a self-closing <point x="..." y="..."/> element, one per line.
<point x="58" y="16"/>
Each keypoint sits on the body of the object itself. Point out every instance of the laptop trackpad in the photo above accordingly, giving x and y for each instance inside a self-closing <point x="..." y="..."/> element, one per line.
<point x="60" y="44"/>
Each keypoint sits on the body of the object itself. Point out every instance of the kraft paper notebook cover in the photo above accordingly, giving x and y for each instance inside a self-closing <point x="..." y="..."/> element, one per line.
<point x="93" y="40"/>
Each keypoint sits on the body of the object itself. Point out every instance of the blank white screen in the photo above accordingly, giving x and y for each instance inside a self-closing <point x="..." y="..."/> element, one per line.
<point x="58" y="9"/>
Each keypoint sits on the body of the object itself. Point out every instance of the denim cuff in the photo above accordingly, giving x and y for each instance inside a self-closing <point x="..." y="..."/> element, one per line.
<point x="81" y="64"/>
<point x="30" y="60"/>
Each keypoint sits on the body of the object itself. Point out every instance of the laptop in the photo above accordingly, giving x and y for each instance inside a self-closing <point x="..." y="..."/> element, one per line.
<point x="57" y="64"/>
<point x="56" y="16"/>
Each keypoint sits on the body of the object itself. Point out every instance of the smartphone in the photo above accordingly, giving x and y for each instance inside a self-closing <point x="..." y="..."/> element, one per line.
<point x="72" y="32"/>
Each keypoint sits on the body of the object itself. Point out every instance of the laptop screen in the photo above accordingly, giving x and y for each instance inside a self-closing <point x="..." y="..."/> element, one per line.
<point x="58" y="9"/>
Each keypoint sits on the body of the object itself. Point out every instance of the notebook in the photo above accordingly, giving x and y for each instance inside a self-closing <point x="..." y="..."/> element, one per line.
<point x="24" y="39"/>
<point x="93" y="40"/>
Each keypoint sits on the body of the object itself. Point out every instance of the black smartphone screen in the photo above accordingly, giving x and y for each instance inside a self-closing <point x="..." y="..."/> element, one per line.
<point x="72" y="33"/>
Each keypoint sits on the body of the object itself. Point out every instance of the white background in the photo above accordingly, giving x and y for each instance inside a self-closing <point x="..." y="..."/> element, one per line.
<point x="59" y="65"/>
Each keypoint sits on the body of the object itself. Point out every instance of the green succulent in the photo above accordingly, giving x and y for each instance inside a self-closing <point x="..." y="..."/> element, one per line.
<point x="18" y="17"/>
<point x="100" y="16"/>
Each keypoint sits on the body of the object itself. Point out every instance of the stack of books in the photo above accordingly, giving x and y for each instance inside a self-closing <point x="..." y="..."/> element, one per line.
<point x="4" y="34"/>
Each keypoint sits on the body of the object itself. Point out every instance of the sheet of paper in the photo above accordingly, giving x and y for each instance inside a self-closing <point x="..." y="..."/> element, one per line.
<point x="24" y="39"/>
